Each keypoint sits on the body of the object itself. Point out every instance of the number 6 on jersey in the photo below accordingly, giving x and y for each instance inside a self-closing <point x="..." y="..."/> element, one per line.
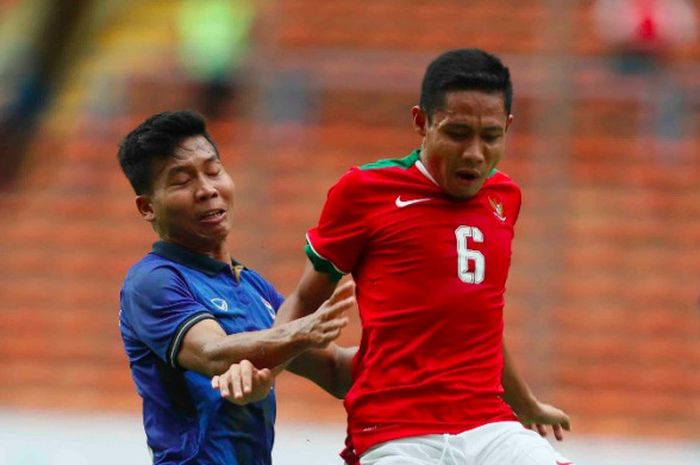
<point x="465" y="255"/>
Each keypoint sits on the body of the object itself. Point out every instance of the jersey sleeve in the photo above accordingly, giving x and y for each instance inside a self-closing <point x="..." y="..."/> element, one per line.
<point x="333" y="246"/>
<point x="161" y="309"/>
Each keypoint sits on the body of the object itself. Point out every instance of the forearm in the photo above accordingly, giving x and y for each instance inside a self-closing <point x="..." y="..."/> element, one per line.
<point x="343" y="370"/>
<point x="207" y="349"/>
<point x="329" y="368"/>
<point x="516" y="391"/>
<point x="264" y="349"/>
<point x="530" y="411"/>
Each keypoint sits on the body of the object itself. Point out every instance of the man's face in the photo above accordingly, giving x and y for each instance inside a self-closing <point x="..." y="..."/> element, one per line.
<point x="464" y="140"/>
<point x="192" y="197"/>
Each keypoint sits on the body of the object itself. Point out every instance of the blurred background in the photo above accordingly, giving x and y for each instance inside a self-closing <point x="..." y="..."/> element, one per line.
<point x="603" y="300"/>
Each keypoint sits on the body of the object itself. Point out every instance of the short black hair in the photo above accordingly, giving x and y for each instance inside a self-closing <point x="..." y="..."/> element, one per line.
<point x="157" y="137"/>
<point x="464" y="69"/>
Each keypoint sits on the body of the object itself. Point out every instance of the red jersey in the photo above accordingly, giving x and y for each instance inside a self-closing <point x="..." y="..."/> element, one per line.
<point x="430" y="273"/>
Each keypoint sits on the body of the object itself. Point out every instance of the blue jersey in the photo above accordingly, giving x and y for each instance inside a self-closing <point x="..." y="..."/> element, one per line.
<point x="186" y="420"/>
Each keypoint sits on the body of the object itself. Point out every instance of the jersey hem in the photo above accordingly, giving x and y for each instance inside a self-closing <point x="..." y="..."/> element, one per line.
<point x="403" y="431"/>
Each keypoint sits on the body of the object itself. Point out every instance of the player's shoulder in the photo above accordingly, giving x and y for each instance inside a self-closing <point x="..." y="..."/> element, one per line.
<point x="382" y="169"/>
<point x="152" y="272"/>
<point x="504" y="195"/>
<point x="500" y="180"/>
<point x="401" y="163"/>
<point x="152" y="282"/>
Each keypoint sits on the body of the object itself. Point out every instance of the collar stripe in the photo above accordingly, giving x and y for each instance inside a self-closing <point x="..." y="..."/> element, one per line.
<point x="421" y="167"/>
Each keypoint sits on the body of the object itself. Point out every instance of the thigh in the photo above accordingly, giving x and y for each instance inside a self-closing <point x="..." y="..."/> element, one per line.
<point x="418" y="450"/>
<point x="516" y="445"/>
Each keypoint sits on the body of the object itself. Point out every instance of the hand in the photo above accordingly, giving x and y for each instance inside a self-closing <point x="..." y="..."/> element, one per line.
<point x="326" y="323"/>
<point x="539" y="415"/>
<point x="242" y="383"/>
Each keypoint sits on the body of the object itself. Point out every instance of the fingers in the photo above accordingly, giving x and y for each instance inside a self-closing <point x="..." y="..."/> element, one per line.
<point x="558" y="432"/>
<point x="329" y="331"/>
<point x="330" y="317"/>
<point x="557" y="429"/>
<point x="335" y="309"/>
<point x="234" y="382"/>
<point x="342" y="299"/>
<point x="547" y="415"/>
<point x="326" y="324"/>
<point x="263" y="379"/>
<point x="230" y="384"/>
<point x="345" y="290"/>
<point x="246" y="377"/>
<point x="243" y="383"/>
<point x="263" y="376"/>
<point x="566" y="424"/>
<point x="542" y="429"/>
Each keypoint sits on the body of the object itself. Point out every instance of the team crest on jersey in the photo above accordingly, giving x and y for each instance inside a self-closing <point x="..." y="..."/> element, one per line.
<point x="497" y="209"/>
<point x="220" y="303"/>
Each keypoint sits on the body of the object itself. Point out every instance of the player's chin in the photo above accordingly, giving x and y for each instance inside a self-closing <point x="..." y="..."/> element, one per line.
<point x="216" y="233"/>
<point x="465" y="187"/>
<point x="465" y="192"/>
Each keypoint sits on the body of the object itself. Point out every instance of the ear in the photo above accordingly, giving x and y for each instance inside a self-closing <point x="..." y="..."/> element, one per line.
<point x="145" y="207"/>
<point x="508" y="121"/>
<point x="420" y="120"/>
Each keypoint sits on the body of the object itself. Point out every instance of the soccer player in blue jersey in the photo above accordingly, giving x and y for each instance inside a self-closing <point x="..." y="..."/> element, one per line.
<point x="189" y="312"/>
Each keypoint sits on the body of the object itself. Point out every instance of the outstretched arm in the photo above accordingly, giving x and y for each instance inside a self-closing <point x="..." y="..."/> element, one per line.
<point x="330" y="368"/>
<point x="207" y="349"/>
<point x="530" y="411"/>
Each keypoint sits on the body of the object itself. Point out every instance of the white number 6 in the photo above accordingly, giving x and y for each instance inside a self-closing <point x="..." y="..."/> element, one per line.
<point x="465" y="254"/>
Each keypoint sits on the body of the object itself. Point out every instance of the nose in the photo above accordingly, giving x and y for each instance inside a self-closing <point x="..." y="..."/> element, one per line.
<point x="473" y="151"/>
<point x="205" y="189"/>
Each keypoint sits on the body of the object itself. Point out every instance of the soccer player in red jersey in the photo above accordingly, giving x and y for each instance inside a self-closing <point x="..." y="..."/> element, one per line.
<point x="427" y="239"/>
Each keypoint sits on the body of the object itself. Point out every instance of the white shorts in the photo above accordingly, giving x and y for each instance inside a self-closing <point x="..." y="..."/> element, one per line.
<point x="501" y="443"/>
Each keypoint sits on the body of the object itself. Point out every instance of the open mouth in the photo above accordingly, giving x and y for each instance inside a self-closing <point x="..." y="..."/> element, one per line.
<point x="213" y="215"/>
<point x="468" y="175"/>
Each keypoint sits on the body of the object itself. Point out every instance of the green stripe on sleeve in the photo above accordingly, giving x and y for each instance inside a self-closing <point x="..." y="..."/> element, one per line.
<point x="321" y="264"/>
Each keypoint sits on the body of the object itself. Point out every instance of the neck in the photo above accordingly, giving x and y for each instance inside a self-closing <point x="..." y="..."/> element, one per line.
<point x="218" y="252"/>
